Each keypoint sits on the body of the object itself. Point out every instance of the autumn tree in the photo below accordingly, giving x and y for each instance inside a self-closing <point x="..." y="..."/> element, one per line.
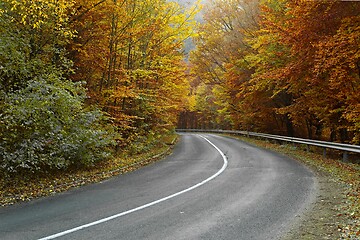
<point x="134" y="50"/>
<point x="218" y="60"/>
<point x="285" y="67"/>
<point x="265" y="94"/>
<point x="313" y="103"/>
<point x="338" y="58"/>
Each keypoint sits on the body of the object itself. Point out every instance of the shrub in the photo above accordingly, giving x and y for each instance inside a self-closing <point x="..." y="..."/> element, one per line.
<point x="46" y="125"/>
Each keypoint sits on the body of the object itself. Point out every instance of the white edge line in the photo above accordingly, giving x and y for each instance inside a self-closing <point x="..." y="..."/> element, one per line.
<point x="148" y="204"/>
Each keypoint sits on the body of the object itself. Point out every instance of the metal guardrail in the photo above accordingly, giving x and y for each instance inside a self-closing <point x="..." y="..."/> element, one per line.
<point x="325" y="145"/>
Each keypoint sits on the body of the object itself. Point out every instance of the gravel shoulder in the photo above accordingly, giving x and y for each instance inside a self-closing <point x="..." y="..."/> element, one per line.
<point x="322" y="219"/>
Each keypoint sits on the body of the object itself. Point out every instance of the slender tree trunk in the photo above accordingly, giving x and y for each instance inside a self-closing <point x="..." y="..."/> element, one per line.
<point x="289" y="127"/>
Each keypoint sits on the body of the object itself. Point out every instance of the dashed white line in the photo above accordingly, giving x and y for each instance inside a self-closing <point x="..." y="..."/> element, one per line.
<point x="148" y="204"/>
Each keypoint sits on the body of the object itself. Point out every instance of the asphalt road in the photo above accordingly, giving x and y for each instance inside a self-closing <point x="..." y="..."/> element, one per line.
<point x="195" y="193"/>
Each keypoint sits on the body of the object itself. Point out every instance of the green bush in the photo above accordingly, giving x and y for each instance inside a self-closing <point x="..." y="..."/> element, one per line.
<point x="45" y="125"/>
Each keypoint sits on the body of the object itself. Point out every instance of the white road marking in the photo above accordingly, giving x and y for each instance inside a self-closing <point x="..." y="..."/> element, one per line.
<point x="146" y="205"/>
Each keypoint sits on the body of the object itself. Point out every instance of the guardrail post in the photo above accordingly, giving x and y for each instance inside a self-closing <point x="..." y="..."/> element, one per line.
<point x="293" y="143"/>
<point x="324" y="153"/>
<point x="345" y="156"/>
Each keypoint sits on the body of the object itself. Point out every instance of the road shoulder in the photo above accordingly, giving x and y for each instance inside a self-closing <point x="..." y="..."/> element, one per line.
<point x="322" y="219"/>
<point x="336" y="212"/>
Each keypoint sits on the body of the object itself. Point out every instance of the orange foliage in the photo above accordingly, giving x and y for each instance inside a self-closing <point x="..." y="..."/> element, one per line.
<point x="294" y="71"/>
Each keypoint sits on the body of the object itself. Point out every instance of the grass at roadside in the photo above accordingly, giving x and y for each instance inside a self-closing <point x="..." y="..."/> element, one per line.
<point x="346" y="173"/>
<point x="20" y="188"/>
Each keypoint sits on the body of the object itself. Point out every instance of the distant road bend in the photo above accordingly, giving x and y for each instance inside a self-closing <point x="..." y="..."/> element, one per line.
<point x="211" y="187"/>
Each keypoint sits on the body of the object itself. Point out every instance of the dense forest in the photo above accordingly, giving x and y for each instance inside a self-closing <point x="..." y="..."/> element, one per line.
<point x="278" y="66"/>
<point x="83" y="79"/>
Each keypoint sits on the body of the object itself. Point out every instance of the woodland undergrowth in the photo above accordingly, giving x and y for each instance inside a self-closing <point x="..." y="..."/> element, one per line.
<point x="28" y="186"/>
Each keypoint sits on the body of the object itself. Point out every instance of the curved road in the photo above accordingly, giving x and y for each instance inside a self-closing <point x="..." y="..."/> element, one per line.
<point x="211" y="187"/>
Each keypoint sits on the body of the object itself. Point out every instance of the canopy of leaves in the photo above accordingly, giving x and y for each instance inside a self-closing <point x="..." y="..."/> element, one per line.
<point x="285" y="67"/>
<point x="130" y="53"/>
<point x="127" y="53"/>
